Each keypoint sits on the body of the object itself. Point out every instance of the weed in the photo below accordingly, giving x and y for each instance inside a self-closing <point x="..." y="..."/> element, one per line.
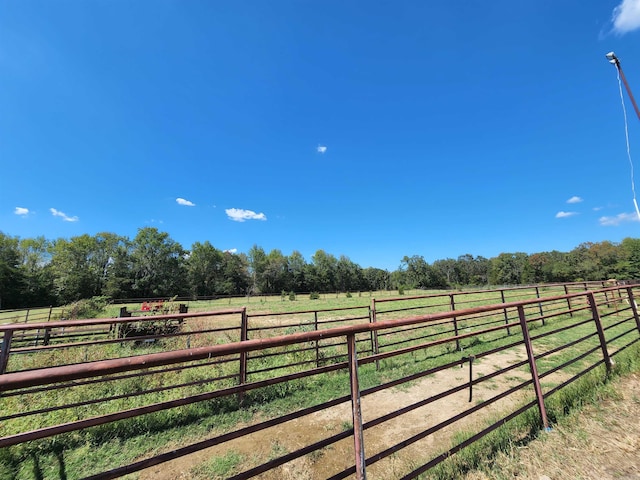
<point x="219" y="467"/>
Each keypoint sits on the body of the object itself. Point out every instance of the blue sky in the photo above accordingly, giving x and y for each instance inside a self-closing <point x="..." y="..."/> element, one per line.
<point x="371" y="129"/>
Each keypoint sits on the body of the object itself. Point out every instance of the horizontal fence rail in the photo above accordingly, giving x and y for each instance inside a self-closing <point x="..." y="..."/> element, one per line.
<point x="508" y="357"/>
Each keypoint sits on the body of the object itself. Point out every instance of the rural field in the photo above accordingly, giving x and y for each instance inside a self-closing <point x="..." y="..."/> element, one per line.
<point x="288" y="411"/>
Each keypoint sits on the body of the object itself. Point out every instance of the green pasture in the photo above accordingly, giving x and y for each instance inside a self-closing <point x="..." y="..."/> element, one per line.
<point x="100" y="448"/>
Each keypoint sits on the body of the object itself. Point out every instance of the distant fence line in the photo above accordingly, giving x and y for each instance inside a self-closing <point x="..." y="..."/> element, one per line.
<point x="606" y="322"/>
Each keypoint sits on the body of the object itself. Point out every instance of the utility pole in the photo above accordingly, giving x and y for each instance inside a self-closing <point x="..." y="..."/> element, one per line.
<point x="616" y="61"/>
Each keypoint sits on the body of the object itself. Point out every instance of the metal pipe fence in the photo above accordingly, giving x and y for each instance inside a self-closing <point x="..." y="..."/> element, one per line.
<point x="534" y="347"/>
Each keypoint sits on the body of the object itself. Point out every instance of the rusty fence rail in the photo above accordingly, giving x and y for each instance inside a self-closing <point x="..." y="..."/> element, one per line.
<point x="80" y="339"/>
<point x="93" y="336"/>
<point x="535" y="347"/>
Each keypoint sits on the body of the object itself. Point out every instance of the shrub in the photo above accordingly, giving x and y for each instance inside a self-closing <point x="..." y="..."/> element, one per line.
<point x="292" y="295"/>
<point x="87" y="308"/>
<point x="314" y="296"/>
<point x="348" y="295"/>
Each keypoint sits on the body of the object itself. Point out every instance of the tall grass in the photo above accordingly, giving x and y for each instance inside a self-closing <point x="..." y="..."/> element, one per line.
<point x="591" y="389"/>
<point x="100" y="448"/>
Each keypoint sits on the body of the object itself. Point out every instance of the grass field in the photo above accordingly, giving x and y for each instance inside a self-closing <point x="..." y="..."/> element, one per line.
<point x="102" y="447"/>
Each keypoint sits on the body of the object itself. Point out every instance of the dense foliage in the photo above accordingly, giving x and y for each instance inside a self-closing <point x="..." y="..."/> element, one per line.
<point x="37" y="271"/>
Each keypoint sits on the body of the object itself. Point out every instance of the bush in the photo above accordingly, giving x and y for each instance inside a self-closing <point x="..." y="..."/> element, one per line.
<point x="86" y="308"/>
<point x="314" y="296"/>
<point x="348" y="295"/>
<point x="292" y="295"/>
<point x="400" y="290"/>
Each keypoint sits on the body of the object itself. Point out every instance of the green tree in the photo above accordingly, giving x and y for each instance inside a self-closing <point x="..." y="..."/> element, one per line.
<point x="275" y="275"/>
<point x="120" y="276"/>
<point x="473" y="270"/>
<point x="376" y="279"/>
<point x="349" y="276"/>
<point x="157" y="264"/>
<point x="75" y="276"/>
<point x="419" y="274"/>
<point x="11" y="277"/>
<point x="509" y="269"/>
<point x="322" y="276"/>
<point x="629" y="263"/>
<point x="38" y="278"/>
<point x="204" y="269"/>
<point x="449" y="269"/>
<point x="257" y="265"/>
<point x="297" y="265"/>
<point x="235" y="278"/>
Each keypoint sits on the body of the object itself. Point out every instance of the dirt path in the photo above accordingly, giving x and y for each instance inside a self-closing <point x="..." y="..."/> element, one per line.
<point x="288" y="437"/>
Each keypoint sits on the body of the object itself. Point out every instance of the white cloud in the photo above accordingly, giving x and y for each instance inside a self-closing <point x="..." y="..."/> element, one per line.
<point x="240" y="215"/>
<point x="321" y="148"/>
<point x="186" y="203"/>
<point x="626" y="16"/>
<point x="575" y="199"/>
<point x="231" y="250"/>
<point x="21" y="211"/>
<point x="565" y="214"/>
<point x="65" y="217"/>
<point x="618" y="219"/>
<point x="597" y="209"/>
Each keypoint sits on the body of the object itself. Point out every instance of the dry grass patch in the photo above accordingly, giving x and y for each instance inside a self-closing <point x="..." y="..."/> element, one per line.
<point x="600" y="442"/>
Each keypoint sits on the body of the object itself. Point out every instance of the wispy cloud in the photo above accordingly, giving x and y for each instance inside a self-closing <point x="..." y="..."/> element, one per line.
<point x="626" y="16"/>
<point x="231" y="250"/>
<point x="240" y="215"/>
<point x="186" y="203"/>
<point x="618" y="219"/>
<point x="321" y="148"/>
<point x="565" y="214"/>
<point x="575" y="199"/>
<point x="21" y="211"/>
<point x="64" y="216"/>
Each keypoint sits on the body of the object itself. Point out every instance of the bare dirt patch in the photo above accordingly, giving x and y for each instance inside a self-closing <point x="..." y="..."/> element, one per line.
<point x="273" y="442"/>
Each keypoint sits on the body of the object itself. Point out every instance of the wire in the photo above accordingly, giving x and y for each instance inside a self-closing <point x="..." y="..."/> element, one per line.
<point x="626" y="136"/>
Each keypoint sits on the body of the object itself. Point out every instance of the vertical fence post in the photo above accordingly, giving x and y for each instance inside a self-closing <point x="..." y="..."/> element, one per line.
<point x="317" y="342"/>
<point x="244" y="335"/>
<point x="566" y="292"/>
<point x="50" y="312"/>
<point x="4" y="351"/>
<point x="603" y="341"/>
<point x="540" y="305"/>
<point x="606" y="296"/>
<point x="455" y="321"/>
<point x="369" y="312"/>
<point x="506" y="316"/>
<point x="634" y="307"/>
<point x="26" y="317"/>
<point x="532" y="366"/>
<point x="358" y="435"/>
<point x="374" y="333"/>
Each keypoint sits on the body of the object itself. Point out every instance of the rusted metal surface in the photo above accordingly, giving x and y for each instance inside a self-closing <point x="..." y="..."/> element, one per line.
<point x="346" y="335"/>
<point x="532" y="366"/>
<point x="634" y="307"/>
<point x="5" y="348"/>
<point x="598" y="322"/>
<point x="107" y="321"/>
<point x="356" y="412"/>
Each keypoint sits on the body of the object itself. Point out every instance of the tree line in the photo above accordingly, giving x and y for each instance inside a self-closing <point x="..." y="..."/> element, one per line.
<point x="38" y="271"/>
